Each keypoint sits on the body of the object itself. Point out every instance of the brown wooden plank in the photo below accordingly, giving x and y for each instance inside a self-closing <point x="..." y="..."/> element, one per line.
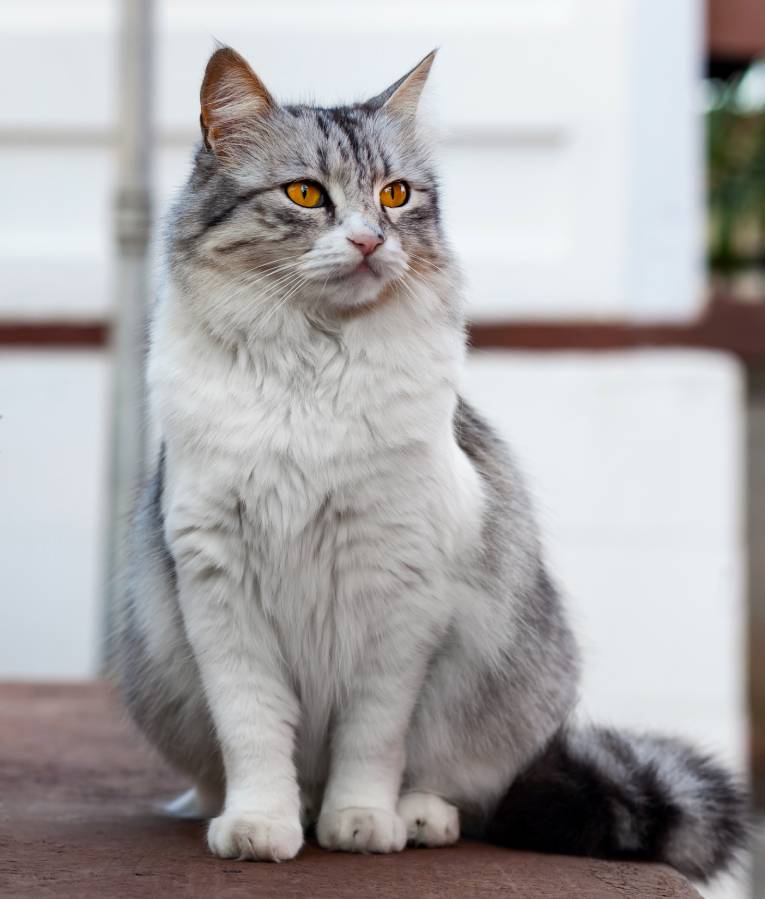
<point x="727" y="325"/>
<point x="78" y="787"/>
<point x="54" y="334"/>
<point x="736" y="28"/>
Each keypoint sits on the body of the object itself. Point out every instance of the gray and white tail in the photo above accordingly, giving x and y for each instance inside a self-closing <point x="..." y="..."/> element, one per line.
<point x="604" y="794"/>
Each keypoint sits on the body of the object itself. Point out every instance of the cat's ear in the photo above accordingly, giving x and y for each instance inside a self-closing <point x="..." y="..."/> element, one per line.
<point x="403" y="96"/>
<point x="232" y="99"/>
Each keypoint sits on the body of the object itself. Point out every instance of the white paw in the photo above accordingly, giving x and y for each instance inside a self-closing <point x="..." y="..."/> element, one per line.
<point x="430" y="821"/>
<point x="195" y="804"/>
<point x="259" y="837"/>
<point x="361" y="830"/>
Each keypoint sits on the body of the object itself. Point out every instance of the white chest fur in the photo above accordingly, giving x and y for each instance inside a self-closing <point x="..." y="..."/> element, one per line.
<point x="334" y="451"/>
<point x="329" y="407"/>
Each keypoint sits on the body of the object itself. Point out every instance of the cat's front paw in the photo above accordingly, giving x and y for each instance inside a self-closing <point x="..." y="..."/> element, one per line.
<point x="430" y="820"/>
<point x="255" y="836"/>
<point x="361" y="830"/>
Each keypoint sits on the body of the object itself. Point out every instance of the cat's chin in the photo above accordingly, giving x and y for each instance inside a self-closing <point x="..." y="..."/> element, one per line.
<point x="360" y="288"/>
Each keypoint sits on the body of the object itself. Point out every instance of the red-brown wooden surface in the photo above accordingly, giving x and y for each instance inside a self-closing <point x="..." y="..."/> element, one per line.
<point x="78" y="789"/>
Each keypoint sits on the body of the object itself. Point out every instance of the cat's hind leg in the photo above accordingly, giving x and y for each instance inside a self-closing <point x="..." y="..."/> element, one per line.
<point x="201" y="802"/>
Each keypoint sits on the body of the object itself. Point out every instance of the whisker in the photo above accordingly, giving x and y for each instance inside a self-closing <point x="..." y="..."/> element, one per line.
<point x="247" y="282"/>
<point x="282" y="301"/>
<point x="429" y="262"/>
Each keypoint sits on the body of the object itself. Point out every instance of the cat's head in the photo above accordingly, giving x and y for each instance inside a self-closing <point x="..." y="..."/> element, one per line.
<point x="332" y="209"/>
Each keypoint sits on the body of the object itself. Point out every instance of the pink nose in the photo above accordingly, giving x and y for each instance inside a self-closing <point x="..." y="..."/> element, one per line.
<point x="367" y="242"/>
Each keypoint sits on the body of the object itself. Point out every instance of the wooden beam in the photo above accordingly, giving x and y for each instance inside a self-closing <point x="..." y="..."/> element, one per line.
<point x="736" y="28"/>
<point x="727" y="325"/>
<point x="51" y="334"/>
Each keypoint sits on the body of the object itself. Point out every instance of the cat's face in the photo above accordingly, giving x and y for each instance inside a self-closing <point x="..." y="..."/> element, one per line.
<point x="334" y="209"/>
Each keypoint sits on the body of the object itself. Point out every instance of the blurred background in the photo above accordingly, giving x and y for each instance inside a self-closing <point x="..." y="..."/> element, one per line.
<point x="617" y="303"/>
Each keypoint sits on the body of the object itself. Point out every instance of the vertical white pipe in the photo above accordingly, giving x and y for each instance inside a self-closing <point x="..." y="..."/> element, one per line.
<point x="132" y="228"/>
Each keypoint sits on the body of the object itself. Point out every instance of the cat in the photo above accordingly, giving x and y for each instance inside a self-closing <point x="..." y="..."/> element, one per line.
<point x="338" y="615"/>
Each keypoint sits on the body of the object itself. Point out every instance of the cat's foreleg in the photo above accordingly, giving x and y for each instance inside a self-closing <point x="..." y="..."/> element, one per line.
<point x="359" y="811"/>
<point x="253" y="707"/>
<point x="429" y="819"/>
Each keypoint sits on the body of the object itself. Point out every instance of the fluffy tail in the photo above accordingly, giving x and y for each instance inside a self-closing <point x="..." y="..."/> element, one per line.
<point x="604" y="794"/>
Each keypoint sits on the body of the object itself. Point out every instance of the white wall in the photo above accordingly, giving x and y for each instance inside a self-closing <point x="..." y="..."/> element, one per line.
<point x="635" y="461"/>
<point x="571" y="164"/>
<point x="571" y="158"/>
<point x="53" y="409"/>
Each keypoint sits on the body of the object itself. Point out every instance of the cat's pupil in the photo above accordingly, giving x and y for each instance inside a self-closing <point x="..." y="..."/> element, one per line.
<point x="304" y="190"/>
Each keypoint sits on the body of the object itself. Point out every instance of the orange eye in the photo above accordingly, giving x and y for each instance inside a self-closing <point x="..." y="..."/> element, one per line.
<point x="394" y="194"/>
<point x="305" y="193"/>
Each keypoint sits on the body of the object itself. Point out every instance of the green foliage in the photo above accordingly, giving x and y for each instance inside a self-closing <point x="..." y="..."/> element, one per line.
<point x="736" y="171"/>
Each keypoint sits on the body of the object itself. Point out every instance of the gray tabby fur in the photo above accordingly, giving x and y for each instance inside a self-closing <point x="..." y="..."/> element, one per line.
<point x="338" y="607"/>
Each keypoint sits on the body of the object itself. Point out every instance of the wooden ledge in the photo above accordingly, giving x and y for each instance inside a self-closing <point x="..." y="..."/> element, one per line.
<point x="78" y="786"/>
<point x="726" y="325"/>
<point x="736" y="28"/>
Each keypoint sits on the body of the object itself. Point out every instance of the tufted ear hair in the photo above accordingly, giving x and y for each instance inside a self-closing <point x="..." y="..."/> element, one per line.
<point x="232" y="98"/>
<point x="403" y="96"/>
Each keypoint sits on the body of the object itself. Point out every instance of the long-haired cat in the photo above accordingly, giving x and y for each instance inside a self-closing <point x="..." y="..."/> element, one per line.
<point x="338" y="612"/>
